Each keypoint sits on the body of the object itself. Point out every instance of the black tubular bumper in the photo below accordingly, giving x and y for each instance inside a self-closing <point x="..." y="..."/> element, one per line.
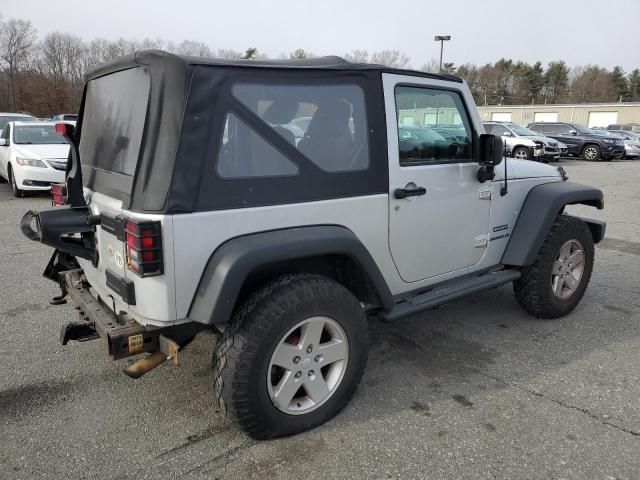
<point x="124" y="337"/>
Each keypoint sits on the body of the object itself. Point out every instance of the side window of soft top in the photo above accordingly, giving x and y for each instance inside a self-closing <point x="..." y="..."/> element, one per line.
<point x="325" y="123"/>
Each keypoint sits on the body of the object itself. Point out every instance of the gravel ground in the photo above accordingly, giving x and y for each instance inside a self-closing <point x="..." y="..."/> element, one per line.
<point x="476" y="389"/>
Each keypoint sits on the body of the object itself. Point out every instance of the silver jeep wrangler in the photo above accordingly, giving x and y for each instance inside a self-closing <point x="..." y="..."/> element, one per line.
<point x="276" y="204"/>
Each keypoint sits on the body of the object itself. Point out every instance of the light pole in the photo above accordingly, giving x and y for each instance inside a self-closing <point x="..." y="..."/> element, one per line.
<point x="442" y="39"/>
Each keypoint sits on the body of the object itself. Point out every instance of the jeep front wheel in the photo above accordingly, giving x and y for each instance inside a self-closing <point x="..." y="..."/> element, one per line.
<point x="292" y="356"/>
<point x="555" y="283"/>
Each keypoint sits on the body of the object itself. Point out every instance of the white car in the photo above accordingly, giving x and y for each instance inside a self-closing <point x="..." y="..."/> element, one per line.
<point x="32" y="156"/>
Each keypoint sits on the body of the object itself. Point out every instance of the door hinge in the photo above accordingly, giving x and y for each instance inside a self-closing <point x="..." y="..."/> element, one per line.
<point x="485" y="194"/>
<point x="482" y="240"/>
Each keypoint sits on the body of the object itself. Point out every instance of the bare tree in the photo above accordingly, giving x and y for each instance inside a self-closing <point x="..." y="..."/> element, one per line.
<point x="390" y="58"/>
<point x="229" y="53"/>
<point x="190" y="47"/>
<point x="432" y="66"/>
<point x="357" y="56"/>
<point x="17" y="38"/>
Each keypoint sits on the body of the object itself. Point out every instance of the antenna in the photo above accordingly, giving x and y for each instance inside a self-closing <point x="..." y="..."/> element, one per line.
<point x="505" y="188"/>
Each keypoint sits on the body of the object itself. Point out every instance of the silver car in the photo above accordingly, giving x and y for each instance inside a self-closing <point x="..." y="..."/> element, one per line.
<point x="520" y="142"/>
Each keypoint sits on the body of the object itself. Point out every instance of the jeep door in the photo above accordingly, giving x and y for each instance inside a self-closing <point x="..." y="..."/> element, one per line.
<point x="438" y="211"/>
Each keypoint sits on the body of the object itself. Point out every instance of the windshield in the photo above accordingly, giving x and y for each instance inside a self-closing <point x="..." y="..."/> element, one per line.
<point x="36" y="135"/>
<point x="525" y="132"/>
<point x="4" y="119"/>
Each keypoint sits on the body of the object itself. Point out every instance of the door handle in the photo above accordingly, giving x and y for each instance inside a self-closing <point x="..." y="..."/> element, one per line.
<point x="401" y="193"/>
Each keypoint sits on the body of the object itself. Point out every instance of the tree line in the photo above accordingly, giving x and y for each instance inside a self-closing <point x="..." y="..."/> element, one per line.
<point x="44" y="76"/>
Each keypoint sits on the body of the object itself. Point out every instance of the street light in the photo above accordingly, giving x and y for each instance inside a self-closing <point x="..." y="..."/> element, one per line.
<point x="441" y="39"/>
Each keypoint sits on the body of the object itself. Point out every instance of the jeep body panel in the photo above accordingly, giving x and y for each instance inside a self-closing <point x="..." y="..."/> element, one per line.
<point x="235" y="261"/>
<point x="540" y="209"/>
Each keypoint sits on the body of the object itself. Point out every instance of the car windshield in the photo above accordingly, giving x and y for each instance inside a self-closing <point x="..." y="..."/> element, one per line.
<point x="4" y="119"/>
<point x="522" y="131"/>
<point x="36" y="135"/>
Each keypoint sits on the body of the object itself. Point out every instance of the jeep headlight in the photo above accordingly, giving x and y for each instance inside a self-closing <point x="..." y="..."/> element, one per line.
<point x="30" y="162"/>
<point x="607" y="140"/>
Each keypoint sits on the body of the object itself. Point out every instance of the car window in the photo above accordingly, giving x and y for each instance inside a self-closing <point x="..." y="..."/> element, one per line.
<point x="499" y="130"/>
<point x="439" y="123"/>
<point x="564" y="129"/>
<point x="325" y="123"/>
<point x="245" y="154"/>
<point x="544" y="128"/>
<point x="488" y="127"/>
<point x="36" y="135"/>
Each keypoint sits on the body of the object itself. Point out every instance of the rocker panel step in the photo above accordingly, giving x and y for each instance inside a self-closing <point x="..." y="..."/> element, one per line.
<point x="439" y="296"/>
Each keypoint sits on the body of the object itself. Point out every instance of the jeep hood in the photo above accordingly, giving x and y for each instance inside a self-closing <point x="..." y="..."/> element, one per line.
<point x="519" y="169"/>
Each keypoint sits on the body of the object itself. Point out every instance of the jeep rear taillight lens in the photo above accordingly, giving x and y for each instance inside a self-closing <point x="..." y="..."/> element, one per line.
<point x="144" y="247"/>
<point x="58" y="194"/>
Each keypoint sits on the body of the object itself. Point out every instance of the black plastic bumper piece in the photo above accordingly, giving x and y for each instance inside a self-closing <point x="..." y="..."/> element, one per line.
<point x="78" y="331"/>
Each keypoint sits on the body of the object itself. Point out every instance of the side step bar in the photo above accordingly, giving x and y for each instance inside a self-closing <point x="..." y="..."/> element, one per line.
<point x="439" y="296"/>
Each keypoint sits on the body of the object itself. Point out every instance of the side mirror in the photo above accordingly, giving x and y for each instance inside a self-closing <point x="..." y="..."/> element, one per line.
<point x="3" y="142"/>
<point x="491" y="150"/>
<point x="573" y="132"/>
<point x="507" y="134"/>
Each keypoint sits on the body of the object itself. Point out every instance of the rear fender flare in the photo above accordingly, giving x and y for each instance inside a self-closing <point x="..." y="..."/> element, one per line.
<point x="234" y="261"/>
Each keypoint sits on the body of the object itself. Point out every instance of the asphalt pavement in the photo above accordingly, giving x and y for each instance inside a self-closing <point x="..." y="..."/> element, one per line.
<point x="477" y="389"/>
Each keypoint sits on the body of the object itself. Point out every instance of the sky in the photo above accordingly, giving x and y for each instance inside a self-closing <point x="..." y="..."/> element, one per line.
<point x="581" y="32"/>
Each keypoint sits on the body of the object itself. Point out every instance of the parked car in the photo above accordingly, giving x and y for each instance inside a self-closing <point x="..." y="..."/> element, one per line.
<point x="32" y="156"/>
<point x="631" y="143"/>
<point x="520" y="142"/>
<point x="581" y="141"/>
<point x="65" y="116"/>
<point x="285" y="249"/>
<point x="15" y="117"/>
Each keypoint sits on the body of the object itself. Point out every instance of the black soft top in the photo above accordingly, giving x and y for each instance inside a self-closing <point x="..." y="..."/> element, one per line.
<point x="180" y="62"/>
<point x="188" y="99"/>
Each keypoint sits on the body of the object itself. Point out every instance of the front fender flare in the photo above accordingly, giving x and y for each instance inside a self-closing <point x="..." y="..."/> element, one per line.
<point x="236" y="259"/>
<point x="540" y="209"/>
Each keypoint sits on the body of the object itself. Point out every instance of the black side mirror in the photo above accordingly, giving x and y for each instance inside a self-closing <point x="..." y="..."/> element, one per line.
<point x="491" y="150"/>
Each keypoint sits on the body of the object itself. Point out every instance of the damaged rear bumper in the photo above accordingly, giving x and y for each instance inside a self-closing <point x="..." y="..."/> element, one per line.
<point x="124" y="336"/>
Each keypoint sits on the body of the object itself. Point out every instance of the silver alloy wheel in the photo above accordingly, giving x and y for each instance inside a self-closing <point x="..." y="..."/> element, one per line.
<point x="307" y="365"/>
<point x="567" y="269"/>
<point x="591" y="153"/>
<point x="521" y="153"/>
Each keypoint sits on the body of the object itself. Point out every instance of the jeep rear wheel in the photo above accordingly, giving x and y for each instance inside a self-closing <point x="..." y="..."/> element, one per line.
<point x="292" y="356"/>
<point x="555" y="283"/>
<point x="591" y="153"/>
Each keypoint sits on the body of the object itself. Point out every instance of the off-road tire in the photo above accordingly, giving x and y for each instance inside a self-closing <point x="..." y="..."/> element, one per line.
<point x="241" y="359"/>
<point x="534" y="290"/>
<point x="17" y="192"/>
<point x="597" y="153"/>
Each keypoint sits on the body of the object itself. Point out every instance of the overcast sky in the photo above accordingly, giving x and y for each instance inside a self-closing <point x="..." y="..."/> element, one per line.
<point x="581" y="32"/>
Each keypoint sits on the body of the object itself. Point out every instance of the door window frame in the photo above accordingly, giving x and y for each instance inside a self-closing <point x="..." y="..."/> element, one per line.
<point x="473" y="132"/>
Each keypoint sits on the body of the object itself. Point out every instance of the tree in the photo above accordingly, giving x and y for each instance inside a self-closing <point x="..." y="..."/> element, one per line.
<point x="390" y="58"/>
<point x="17" y="38"/>
<point x="620" y="82"/>
<point x="250" y="53"/>
<point x="432" y="66"/>
<point x="592" y="84"/>
<point x="634" y="86"/>
<point x="190" y="47"/>
<point x="298" y="54"/>
<point x="357" y="56"/>
<point x="229" y="54"/>
<point x="556" y="80"/>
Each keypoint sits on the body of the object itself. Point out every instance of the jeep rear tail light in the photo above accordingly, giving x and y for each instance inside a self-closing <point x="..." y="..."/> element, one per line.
<point x="58" y="194"/>
<point x="144" y="247"/>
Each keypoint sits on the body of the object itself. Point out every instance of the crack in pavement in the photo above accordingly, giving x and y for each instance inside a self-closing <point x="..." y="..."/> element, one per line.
<point x="559" y="402"/>
<point x="536" y="393"/>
